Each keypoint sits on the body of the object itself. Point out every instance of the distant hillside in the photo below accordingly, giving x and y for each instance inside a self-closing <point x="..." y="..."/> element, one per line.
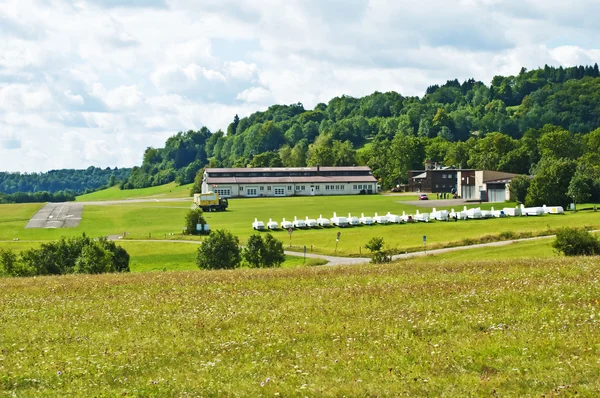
<point x="77" y="181"/>
<point x="448" y="124"/>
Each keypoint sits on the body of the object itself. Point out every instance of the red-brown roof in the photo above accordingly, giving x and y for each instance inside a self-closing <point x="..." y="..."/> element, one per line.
<point x="285" y="180"/>
<point x="284" y="169"/>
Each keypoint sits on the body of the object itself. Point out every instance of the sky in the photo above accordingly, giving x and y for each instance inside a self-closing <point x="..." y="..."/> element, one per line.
<point x="87" y="83"/>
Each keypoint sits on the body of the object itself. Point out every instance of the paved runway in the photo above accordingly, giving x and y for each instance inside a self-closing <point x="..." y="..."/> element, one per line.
<point x="57" y="215"/>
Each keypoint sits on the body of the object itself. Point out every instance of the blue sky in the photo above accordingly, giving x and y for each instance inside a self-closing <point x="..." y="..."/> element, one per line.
<point x="96" y="82"/>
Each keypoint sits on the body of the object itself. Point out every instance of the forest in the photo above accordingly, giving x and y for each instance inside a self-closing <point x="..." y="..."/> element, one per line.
<point x="522" y="124"/>
<point x="55" y="185"/>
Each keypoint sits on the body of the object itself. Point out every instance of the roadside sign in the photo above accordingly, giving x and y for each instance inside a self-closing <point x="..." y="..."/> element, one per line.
<point x="338" y="235"/>
<point x="290" y="230"/>
<point x="424" y="239"/>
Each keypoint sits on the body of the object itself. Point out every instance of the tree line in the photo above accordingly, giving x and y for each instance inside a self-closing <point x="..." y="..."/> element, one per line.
<point x="76" y="255"/>
<point x="468" y="124"/>
<point x="38" y="197"/>
<point x="65" y="180"/>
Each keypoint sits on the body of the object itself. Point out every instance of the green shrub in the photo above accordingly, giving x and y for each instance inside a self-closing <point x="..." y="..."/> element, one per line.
<point x="508" y="235"/>
<point x="378" y="255"/>
<point x="264" y="253"/>
<point x="273" y="255"/>
<point x="192" y="219"/>
<point x="67" y="256"/>
<point x="253" y="251"/>
<point x="576" y="242"/>
<point x="219" y="251"/>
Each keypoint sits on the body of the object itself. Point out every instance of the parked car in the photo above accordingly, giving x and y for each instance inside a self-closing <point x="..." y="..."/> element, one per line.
<point x="423" y="197"/>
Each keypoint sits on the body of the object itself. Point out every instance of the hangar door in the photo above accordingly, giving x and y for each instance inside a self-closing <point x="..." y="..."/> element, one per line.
<point x="496" y="193"/>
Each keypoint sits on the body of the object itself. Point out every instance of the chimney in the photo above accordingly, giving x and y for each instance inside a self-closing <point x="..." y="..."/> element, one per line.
<point x="427" y="164"/>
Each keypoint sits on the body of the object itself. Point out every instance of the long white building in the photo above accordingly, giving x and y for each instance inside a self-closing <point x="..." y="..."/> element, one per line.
<point x="289" y="181"/>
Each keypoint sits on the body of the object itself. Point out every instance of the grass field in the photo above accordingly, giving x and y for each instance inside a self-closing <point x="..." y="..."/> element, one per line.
<point x="160" y="192"/>
<point x="445" y="328"/>
<point x="164" y="220"/>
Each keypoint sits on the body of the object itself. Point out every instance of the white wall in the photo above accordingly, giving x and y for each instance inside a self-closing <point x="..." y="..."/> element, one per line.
<point x="302" y="189"/>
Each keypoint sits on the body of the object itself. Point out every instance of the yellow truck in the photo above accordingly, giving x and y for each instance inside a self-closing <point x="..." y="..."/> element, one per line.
<point x="210" y="201"/>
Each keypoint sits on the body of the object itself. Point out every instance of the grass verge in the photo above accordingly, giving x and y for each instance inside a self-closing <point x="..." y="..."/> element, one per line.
<point x="509" y="328"/>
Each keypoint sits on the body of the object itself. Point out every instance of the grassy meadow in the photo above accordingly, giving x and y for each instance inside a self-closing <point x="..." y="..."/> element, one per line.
<point x="166" y="191"/>
<point x="445" y="328"/>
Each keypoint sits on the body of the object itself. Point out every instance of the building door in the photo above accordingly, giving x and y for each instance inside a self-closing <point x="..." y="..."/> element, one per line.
<point x="496" y="195"/>
<point x="251" y="192"/>
<point x="468" y="191"/>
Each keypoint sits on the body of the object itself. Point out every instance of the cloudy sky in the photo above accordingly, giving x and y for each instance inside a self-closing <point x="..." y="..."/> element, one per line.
<point x="95" y="82"/>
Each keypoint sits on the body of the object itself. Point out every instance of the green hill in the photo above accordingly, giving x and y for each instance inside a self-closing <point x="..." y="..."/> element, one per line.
<point x="167" y="191"/>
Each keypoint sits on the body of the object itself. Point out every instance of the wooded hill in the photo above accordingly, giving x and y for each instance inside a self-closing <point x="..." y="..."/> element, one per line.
<point x="510" y="126"/>
<point x="53" y="181"/>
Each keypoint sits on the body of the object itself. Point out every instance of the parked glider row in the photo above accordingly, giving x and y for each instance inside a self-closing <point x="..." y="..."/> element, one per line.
<point x="438" y="215"/>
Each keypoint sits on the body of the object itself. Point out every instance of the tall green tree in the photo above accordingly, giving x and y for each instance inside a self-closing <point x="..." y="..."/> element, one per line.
<point x="579" y="189"/>
<point x="193" y="218"/>
<point x="518" y="188"/>
<point x="551" y="182"/>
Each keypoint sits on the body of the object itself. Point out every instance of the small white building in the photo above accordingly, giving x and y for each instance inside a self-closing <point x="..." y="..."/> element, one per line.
<point x="289" y="181"/>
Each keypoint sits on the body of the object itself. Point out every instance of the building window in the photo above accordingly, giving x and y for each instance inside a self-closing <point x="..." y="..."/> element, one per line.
<point x="317" y="187"/>
<point x="437" y="185"/>
<point x="355" y="187"/>
<point x="289" y="187"/>
<point x="297" y="187"/>
<point x="223" y="191"/>
<point x="303" y="188"/>
<point x="279" y="191"/>
<point x="262" y="188"/>
<point x="241" y="189"/>
<point x="327" y="187"/>
<point x="268" y="188"/>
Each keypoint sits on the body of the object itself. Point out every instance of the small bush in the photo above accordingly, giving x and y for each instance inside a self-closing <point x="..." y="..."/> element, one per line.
<point x="219" y="251"/>
<point x="576" y="242"/>
<point x="508" y="235"/>
<point x="378" y="255"/>
<point x="264" y="253"/>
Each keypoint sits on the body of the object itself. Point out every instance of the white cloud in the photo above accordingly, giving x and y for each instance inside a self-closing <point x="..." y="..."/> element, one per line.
<point x="98" y="81"/>
<point x="73" y="98"/>
<point x="255" y="94"/>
